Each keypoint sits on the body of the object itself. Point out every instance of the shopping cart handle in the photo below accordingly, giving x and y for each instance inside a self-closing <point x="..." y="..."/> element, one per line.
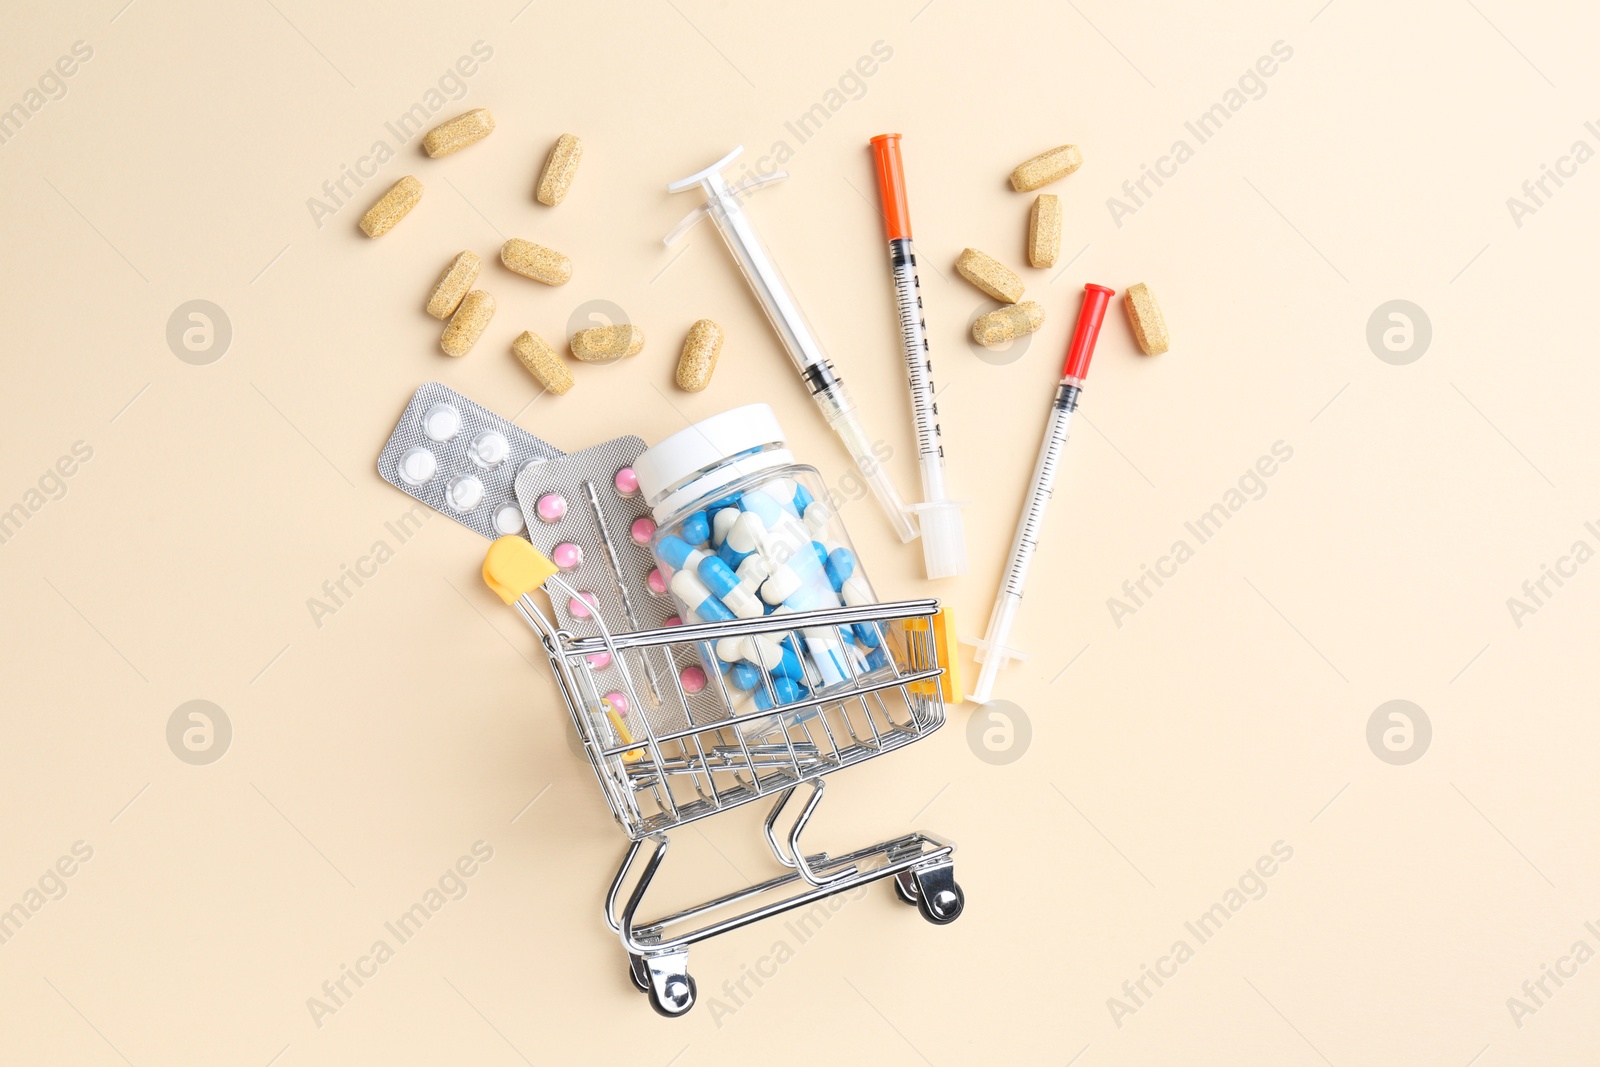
<point x="513" y="567"/>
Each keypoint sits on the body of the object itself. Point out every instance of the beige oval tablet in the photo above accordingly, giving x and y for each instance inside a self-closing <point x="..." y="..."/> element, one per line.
<point x="548" y="368"/>
<point x="536" y="261"/>
<point x="467" y="324"/>
<point x="1044" y="230"/>
<point x="559" y="168"/>
<point x="455" y="134"/>
<point x="1007" y="324"/>
<point x="1046" y="167"/>
<point x="1149" y="325"/>
<point x="391" y="207"/>
<point x="454" y="284"/>
<point x="601" y="344"/>
<point x="989" y="274"/>
<point x="699" y="358"/>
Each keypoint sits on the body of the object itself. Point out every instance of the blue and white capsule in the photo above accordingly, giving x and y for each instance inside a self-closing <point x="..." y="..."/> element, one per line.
<point x="716" y="574"/>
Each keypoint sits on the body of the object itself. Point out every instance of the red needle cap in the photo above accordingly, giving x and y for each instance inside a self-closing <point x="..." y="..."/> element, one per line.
<point x="892" y="185"/>
<point x="1096" y="298"/>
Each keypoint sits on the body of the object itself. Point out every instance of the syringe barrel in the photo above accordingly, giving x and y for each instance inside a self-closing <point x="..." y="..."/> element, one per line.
<point x="796" y="336"/>
<point x="914" y="343"/>
<point x="839" y="409"/>
<point x="1041" y="487"/>
<point x="766" y="280"/>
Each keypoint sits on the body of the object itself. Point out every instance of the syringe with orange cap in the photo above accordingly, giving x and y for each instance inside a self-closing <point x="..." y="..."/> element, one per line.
<point x="944" y="543"/>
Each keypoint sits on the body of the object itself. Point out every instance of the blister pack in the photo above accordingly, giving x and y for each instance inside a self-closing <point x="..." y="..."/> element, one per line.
<point x="461" y="459"/>
<point x="584" y="511"/>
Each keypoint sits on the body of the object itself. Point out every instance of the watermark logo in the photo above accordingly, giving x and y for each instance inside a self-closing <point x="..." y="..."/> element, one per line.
<point x="1539" y="190"/>
<point x="199" y="732"/>
<point x="199" y="332"/>
<point x="451" y="885"/>
<point x="1537" y="590"/>
<point x="1250" y="887"/>
<point x="1000" y="355"/>
<point x="50" y="887"/>
<point x="593" y="313"/>
<point x="753" y="976"/>
<point x="1399" y="732"/>
<point x="1552" y="977"/>
<point x="50" y="87"/>
<point x="1399" y="332"/>
<point x="1250" y="86"/>
<point x="850" y="86"/>
<point x="999" y="733"/>
<point x="51" y="486"/>
<point x="338" y="591"/>
<point x="1140" y="589"/>
<point x="339" y="191"/>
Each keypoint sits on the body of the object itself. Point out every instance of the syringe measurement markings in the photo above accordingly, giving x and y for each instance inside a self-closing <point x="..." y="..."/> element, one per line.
<point x="1033" y="516"/>
<point x="913" y="337"/>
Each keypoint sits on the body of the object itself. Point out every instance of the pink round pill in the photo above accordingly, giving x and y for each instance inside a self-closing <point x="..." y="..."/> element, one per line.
<point x="552" y="507"/>
<point x="567" y="556"/>
<point x="582" y="605"/>
<point x="693" y="679"/>
<point x="627" y="482"/>
<point x="644" y="528"/>
<point x="599" y="661"/>
<point x="674" y="621"/>
<point x="618" y="702"/>
<point x="657" y="582"/>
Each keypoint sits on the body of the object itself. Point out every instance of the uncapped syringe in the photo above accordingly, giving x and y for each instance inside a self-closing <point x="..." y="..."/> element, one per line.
<point x="944" y="543"/>
<point x="994" y="652"/>
<point x="722" y="204"/>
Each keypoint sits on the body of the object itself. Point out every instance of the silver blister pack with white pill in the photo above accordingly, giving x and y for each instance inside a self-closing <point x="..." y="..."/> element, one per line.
<point x="461" y="459"/>
<point x="562" y="523"/>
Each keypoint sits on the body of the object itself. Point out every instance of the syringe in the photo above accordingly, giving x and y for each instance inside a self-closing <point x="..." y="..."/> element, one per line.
<point x="994" y="652"/>
<point x="722" y="204"/>
<point x="944" y="543"/>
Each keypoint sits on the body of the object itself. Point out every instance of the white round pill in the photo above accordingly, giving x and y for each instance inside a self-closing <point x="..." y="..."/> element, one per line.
<point x="417" y="466"/>
<point x="442" y="422"/>
<point x="465" y="492"/>
<point x="508" y="519"/>
<point x="490" y="449"/>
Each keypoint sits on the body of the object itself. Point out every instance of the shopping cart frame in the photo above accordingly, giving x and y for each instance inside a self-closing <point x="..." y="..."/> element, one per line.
<point x="654" y="766"/>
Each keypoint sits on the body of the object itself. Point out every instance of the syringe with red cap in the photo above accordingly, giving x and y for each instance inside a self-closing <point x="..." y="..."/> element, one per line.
<point x="994" y="652"/>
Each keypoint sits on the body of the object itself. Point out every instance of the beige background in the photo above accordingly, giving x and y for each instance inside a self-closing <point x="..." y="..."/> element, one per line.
<point x="1228" y="714"/>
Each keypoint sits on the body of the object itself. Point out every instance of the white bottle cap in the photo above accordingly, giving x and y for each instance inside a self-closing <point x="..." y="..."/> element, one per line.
<point x="668" y="470"/>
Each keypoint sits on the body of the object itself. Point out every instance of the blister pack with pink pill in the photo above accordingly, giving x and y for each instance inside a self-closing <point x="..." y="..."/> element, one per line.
<point x="461" y="459"/>
<point x="585" y="512"/>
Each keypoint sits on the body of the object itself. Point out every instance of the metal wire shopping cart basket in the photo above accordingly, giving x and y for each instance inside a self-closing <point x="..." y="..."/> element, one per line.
<point x="681" y="755"/>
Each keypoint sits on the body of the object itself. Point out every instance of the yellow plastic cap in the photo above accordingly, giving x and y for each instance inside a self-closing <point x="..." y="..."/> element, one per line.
<point x="944" y="640"/>
<point x="513" y="567"/>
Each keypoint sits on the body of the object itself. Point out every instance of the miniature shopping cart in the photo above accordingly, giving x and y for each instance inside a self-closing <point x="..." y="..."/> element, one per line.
<point x="683" y="753"/>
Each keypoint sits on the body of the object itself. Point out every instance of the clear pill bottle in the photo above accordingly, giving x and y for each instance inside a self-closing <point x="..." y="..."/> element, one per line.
<point x="743" y="531"/>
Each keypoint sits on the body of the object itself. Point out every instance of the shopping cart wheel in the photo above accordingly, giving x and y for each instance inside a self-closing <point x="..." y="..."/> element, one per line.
<point x="944" y="906"/>
<point x="668" y="985"/>
<point x="936" y="894"/>
<point x="680" y="994"/>
<point x="638" y="973"/>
